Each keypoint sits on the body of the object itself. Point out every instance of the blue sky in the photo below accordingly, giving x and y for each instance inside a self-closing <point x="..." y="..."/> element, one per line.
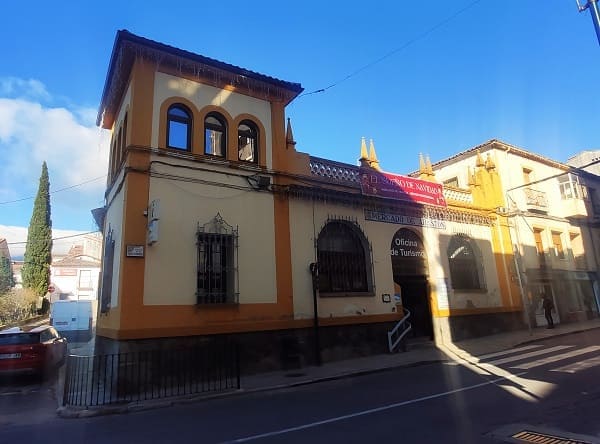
<point x="522" y="72"/>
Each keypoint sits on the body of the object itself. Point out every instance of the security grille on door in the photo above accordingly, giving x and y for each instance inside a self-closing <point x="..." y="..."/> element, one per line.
<point x="217" y="243"/>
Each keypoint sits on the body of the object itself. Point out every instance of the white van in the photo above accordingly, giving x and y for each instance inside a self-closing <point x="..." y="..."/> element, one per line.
<point x="72" y="319"/>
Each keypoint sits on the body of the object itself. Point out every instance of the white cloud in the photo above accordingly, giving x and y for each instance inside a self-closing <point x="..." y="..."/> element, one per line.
<point x="30" y="88"/>
<point x="16" y="237"/>
<point x="74" y="148"/>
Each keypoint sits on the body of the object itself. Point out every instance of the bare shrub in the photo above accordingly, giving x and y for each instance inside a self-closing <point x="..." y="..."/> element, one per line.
<point x="17" y="305"/>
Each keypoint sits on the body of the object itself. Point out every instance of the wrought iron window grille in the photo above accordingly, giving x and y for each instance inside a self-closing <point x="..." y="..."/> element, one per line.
<point x="345" y="259"/>
<point x="217" y="272"/>
<point x="466" y="264"/>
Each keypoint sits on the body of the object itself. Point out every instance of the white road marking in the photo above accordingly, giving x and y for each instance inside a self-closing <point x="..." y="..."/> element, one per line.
<point x="528" y="355"/>
<point x="529" y="390"/>
<point x="560" y="357"/>
<point x="507" y="352"/>
<point x="370" y="411"/>
<point x="578" y="366"/>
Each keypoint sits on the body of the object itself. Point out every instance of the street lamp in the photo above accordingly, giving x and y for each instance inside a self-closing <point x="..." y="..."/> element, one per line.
<point x="592" y="5"/>
<point x="314" y="271"/>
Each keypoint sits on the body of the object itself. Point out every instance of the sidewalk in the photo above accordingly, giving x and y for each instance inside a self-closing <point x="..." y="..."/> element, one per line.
<point x="354" y="367"/>
<point x="419" y="356"/>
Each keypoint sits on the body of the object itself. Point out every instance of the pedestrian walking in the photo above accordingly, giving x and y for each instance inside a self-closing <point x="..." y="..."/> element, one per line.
<point x="548" y="306"/>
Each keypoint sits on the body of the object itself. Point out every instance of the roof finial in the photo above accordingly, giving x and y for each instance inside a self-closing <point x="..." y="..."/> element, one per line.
<point x="421" y="164"/>
<point x="373" y="161"/>
<point x="428" y="167"/>
<point x="289" y="136"/>
<point x="363" y="150"/>
<point x="479" y="160"/>
<point x="489" y="162"/>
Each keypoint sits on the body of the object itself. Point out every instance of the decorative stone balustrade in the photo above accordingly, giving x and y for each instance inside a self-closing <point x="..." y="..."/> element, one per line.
<point x="458" y="195"/>
<point x="337" y="171"/>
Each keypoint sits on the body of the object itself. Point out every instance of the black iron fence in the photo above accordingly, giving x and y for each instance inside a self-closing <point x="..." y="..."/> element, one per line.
<point x="153" y="374"/>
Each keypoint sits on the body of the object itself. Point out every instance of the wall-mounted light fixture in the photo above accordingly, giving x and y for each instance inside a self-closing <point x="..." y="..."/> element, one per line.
<point x="259" y="182"/>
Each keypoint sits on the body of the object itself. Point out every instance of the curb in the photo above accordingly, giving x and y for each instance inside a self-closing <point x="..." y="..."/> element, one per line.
<point x="557" y="335"/>
<point x="344" y="375"/>
<point x="68" y="412"/>
<point x="82" y="412"/>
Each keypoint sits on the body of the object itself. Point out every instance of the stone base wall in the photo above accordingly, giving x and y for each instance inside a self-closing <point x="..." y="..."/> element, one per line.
<point x="458" y="328"/>
<point x="275" y="350"/>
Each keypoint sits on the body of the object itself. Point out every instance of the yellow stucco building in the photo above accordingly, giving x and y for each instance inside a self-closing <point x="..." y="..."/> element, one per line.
<point x="215" y="224"/>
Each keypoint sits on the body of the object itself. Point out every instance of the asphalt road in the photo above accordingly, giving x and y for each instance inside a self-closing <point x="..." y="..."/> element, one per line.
<point x="551" y="384"/>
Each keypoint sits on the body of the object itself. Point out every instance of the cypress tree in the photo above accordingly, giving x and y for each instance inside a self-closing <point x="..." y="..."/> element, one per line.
<point x="38" y="252"/>
<point x="6" y="275"/>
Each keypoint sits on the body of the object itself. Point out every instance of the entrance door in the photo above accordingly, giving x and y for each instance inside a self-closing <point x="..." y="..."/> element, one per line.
<point x="415" y="298"/>
<point x="409" y="267"/>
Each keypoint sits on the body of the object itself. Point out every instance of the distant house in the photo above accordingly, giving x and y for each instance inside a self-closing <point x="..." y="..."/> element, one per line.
<point x="16" y="266"/>
<point x="588" y="160"/>
<point x="75" y="276"/>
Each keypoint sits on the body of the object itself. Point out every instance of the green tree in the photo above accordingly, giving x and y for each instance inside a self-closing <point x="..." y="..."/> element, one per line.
<point x="38" y="252"/>
<point x="6" y="275"/>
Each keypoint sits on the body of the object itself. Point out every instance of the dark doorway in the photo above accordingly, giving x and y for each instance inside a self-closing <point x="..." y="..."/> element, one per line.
<point x="415" y="298"/>
<point x="409" y="267"/>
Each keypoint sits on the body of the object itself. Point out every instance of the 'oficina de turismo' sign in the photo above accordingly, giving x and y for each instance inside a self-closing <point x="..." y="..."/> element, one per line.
<point x="393" y="186"/>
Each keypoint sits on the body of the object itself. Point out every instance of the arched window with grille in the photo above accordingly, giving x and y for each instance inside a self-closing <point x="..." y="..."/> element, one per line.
<point x="215" y="135"/>
<point x="466" y="264"/>
<point x="343" y="256"/>
<point x="248" y="141"/>
<point x="179" y="127"/>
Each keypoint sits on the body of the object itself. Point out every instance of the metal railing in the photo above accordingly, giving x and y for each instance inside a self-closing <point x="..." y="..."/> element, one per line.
<point x="398" y="333"/>
<point x="154" y="374"/>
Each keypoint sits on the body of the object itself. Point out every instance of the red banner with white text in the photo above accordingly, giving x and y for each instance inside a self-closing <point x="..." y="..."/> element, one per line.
<point x="394" y="186"/>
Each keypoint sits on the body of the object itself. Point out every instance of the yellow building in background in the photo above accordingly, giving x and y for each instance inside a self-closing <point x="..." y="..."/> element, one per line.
<point x="554" y="216"/>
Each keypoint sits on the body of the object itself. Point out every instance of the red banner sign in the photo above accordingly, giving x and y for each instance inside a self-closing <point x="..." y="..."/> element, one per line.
<point x="393" y="186"/>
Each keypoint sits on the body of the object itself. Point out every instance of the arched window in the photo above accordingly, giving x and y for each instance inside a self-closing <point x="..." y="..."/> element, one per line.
<point x="247" y="142"/>
<point x="179" y="128"/>
<point x="215" y="135"/>
<point x="466" y="268"/>
<point x="342" y="258"/>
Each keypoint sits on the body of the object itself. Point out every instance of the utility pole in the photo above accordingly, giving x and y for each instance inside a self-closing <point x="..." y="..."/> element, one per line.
<point x="592" y="5"/>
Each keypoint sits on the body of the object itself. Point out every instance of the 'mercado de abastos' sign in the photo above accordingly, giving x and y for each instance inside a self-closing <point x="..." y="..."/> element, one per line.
<point x="393" y="186"/>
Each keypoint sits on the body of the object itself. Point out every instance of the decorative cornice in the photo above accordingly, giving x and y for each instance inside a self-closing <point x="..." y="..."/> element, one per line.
<point x="128" y="47"/>
<point x="381" y="204"/>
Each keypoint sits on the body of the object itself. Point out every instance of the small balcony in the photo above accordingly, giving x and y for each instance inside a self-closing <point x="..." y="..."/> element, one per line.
<point x="573" y="208"/>
<point x="536" y="200"/>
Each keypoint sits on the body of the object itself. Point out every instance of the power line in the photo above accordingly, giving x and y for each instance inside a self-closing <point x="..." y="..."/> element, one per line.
<point x="56" y="238"/>
<point x="56" y="191"/>
<point x="394" y="51"/>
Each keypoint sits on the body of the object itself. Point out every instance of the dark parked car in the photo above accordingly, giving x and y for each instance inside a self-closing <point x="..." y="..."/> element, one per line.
<point x="33" y="350"/>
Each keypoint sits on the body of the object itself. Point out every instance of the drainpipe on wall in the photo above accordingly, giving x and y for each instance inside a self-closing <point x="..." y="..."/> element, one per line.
<point x="517" y="267"/>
